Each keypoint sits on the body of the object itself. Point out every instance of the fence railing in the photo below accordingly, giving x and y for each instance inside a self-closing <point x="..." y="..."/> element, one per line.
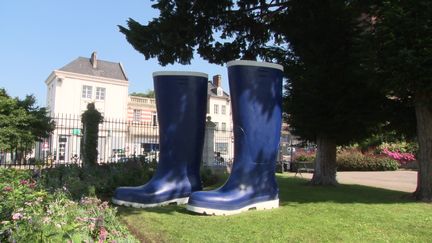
<point x="118" y="141"/>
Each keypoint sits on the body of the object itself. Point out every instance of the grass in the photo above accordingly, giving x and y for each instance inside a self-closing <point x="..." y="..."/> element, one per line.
<point x="347" y="213"/>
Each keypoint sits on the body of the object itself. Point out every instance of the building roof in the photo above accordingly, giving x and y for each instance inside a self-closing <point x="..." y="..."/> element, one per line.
<point x="212" y="91"/>
<point x="105" y="69"/>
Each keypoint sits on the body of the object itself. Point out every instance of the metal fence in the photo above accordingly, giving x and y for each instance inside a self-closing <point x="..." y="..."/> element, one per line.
<point x="223" y="147"/>
<point x="119" y="141"/>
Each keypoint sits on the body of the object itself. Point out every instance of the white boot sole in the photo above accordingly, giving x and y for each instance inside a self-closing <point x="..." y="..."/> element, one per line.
<point x="258" y="206"/>
<point x="178" y="201"/>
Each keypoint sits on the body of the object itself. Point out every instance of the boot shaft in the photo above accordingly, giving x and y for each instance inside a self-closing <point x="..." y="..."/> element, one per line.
<point x="181" y="101"/>
<point x="256" y="98"/>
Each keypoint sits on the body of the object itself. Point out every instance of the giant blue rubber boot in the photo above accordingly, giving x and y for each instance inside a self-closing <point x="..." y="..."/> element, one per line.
<point x="181" y="101"/>
<point x="256" y="96"/>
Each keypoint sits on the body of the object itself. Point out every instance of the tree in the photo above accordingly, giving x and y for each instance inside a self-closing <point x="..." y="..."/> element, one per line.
<point x="22" y="123"/>
<point x="400" y="34"/>
<point x="328" y="99"/>
<point x="147" y="94"/>
<point x="90" y="119"/>
<point x="312" y="39"/>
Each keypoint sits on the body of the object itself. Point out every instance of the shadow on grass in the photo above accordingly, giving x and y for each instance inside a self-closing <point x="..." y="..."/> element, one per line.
<point x="170" y="209"/>
<point x="297" y="190"/>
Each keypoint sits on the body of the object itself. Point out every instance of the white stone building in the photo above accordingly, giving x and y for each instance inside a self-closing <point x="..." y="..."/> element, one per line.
<point x="130" y="127"/>
<point x="85" y="80"/>
<point x="70" y="89"/>
<point x="219" y="109"/>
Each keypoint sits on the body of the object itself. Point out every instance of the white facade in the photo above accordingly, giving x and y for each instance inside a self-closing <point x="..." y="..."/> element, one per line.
<point x="69" y="93"/>
<point x="70" y="89"/>
<point x="219" y="109"/>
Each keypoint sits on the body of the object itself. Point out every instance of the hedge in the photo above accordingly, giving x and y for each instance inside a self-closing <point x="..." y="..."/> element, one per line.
<point x="356" y="161"/>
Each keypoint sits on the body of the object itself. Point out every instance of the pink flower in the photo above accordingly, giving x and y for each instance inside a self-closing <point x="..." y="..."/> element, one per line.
<point x="103" y="233"/>
<point x="401" y="157"/>
<point x="17" y="216"/>
<point x="7" y="189"/>
<point x="24" y="182"/>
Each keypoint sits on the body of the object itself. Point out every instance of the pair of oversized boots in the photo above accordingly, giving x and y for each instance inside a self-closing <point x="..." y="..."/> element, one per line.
<point x="181" y="99"/>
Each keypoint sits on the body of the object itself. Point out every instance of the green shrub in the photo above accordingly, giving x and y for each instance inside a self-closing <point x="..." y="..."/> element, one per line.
<point x="355" y="161"/>
<point x="210" y="178"/>
<point x="90" y="119"/>
<point x="29" y="213"/>
<point x="99" y="180"/>
<point x="402" y="147"/>
<point x="303" y="156"/>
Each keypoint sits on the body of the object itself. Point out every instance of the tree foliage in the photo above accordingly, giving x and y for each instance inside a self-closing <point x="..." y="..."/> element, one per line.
<point x="219" y="31"/>
<point x="313" y="40"/>
<point x="90" y="119"/>
<point x="328" y="94"/>
<point x="147" y="94"/>
<point x="328" y="101"/>
<point x="400" y="37"/>
<point x="22" y="122"/>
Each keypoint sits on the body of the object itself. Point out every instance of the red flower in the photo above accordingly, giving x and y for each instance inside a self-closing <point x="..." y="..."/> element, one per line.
<point x="7" y="189"/>
<point x="103" y="233"/>
<point x="24" y="182"/>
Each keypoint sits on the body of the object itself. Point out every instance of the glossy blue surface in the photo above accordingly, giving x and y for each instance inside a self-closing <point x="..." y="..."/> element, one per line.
<point x="181" y="103"/>
<point x="256" y="96"/>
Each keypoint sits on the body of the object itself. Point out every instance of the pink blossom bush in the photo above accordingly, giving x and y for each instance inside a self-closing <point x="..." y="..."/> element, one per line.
<point x="402" y="158"/>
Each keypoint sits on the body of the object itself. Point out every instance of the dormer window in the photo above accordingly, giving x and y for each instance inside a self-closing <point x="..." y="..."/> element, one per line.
<point x="219" y="91"/>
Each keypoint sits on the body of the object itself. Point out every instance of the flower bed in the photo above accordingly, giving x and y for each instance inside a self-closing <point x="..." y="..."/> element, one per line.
<point x="352" y="160"/>
<point x="29" y="213"/>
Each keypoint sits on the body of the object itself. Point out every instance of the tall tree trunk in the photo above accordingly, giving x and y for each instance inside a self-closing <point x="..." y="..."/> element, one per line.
<point x="325" y="162"/>
<point x="424" y="157"/>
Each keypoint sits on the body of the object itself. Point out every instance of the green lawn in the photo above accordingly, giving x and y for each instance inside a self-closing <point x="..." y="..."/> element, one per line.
<point x="347" y="213"/>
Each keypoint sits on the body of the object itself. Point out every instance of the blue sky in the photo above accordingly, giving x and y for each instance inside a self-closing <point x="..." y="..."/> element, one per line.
<point x="38" y="37"/>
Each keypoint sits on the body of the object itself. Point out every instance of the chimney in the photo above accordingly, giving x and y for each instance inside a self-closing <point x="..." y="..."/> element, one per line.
<point x="217" y="80"/>
<point x="93" y="60"/>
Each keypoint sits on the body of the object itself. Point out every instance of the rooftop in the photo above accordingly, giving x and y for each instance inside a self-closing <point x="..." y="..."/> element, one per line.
<point x="212" y="91"/>
<point x="93" y="67"/>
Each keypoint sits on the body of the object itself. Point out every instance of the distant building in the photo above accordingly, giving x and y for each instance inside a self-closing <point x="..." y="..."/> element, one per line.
<point x="70" y="89"/>
<point x="142" y="109"/>
<point x="143" y="125"/>
<point x="219" y="109"/>
<point x="130" y="126"/>
<point x="85" y="80"/>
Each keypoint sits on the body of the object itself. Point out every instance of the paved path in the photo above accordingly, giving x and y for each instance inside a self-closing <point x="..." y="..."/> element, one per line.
<point x="395" y="180"/>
